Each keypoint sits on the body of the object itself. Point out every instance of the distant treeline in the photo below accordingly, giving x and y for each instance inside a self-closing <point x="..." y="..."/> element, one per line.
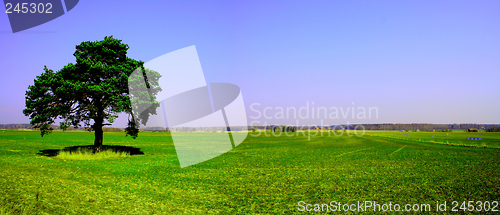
<point x="426" y="127"/>
<point x="195" y="129"/>
<point x="15" y="126"/>
<point x="395" y="127"/>
<point x="55" y="127"/>
<point x="493" y="129"/>
<point x="386" y="126"/>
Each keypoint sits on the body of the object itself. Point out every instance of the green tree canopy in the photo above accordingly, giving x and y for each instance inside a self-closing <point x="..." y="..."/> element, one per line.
<point x="95" y="89"/>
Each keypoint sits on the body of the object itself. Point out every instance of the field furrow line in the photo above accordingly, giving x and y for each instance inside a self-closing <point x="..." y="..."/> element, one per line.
<point x="397" y="150"/>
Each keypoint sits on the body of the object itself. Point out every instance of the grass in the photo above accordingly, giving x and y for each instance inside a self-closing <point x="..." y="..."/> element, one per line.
<point x="87" y="154"/>
<point x="481" y="139"/>
<point x="262" y="175"/>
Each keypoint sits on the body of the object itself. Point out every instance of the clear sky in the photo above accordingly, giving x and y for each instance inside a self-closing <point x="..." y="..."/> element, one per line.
<point x="415" y="61"/>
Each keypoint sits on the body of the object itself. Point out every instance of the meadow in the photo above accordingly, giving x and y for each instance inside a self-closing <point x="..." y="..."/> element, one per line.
<point x="458" y="138"/>
<point x="262" y="175"/>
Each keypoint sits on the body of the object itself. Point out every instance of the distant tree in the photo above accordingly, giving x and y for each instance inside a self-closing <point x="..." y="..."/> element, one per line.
<point x="493" y="129"/>
<point x="95" y="88"/>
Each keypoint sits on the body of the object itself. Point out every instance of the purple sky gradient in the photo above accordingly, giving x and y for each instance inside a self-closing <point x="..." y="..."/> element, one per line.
<point x="416" y="61"/>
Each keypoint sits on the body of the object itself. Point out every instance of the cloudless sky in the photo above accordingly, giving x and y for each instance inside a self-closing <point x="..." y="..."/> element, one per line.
<point x="416" y="61"/>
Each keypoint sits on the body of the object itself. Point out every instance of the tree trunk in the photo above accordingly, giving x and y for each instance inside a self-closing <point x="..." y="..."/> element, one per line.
<point x="98" y="123"/>
<point x="98" y="133"/>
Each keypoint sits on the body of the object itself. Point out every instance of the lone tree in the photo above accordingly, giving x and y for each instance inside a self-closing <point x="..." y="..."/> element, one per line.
<point x="95" y="89"/>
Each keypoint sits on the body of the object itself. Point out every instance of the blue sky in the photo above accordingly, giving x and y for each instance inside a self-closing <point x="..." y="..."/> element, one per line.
<point x="416" y="61"/>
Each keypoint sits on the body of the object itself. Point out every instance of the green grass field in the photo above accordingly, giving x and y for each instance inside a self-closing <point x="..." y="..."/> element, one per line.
<point x="481" y="139"/>
<point x="262" y="175"/>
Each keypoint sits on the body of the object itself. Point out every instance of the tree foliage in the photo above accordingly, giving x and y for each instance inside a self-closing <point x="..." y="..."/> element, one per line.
<point x="92" y="90"/>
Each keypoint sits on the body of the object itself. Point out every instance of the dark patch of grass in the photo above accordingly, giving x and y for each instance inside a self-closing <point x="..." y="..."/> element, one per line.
<point x="91" y="148"/>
